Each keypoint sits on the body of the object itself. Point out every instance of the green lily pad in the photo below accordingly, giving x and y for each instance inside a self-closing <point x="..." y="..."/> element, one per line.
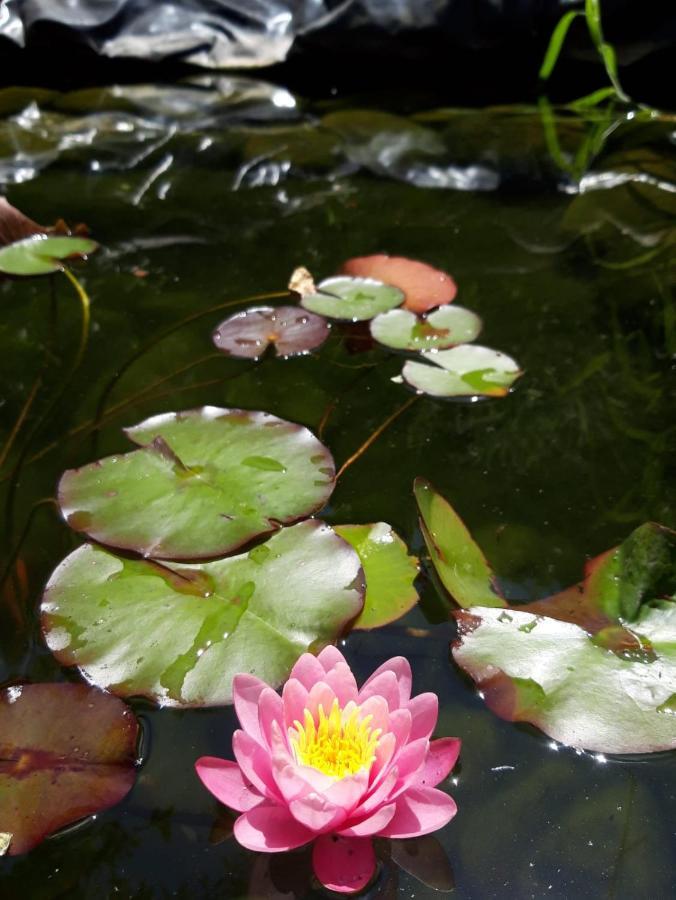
<point x="443" y="328"/>
<point x="205" y="482"/>
<point x="593" y="666"/>
<point x="458" y="561"/>
<point x="179" y="633"/>
<point x="465" y="371"/>
<point x="537" y="669"/>
<point x="352" y="299"/>
<point x="66" y="751"/>
<point x="41" y="254"/>
<point x="390" y="572"/>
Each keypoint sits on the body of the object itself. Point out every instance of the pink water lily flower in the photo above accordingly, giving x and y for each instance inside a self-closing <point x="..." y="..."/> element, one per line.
<point x="330" y="763"/>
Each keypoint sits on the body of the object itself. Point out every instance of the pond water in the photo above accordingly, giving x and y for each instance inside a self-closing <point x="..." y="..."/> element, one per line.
<point x="557" y="228"/>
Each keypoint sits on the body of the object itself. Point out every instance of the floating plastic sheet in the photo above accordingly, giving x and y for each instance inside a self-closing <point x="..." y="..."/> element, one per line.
<point x="245" y="33"/>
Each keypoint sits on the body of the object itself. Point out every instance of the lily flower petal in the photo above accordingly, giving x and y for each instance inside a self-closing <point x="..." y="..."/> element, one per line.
<point x="271" y="829"/>
<point x="343" y="864"/>
<point x="420" y="811"/>
<point x="224" y="779"/>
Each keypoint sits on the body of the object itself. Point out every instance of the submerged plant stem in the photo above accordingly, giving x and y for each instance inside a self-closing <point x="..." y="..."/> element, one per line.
<point x="255" y="298"/>
<point x="376" y="434"/>
<point x="46" y="501"/>
<point x="4" y="453"/>
<point x="79" y="354"/>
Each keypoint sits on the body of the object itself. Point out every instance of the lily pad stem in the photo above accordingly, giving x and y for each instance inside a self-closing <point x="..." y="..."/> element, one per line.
<point x="376" y="434"/>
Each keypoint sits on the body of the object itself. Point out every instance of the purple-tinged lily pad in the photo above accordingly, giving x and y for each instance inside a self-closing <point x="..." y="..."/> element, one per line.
<point x="464" y="371"/>
<point x="205" y="482"/>
<point x="390" y="572"/>
<point x="178" y="634"/>
<point x="290" y="330"/>
<point x="66" y="751"/>
<point x="446" y="327"/>
<point x="593" y="666"/>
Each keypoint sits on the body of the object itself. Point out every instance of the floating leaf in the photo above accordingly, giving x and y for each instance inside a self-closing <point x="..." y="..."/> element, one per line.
<point x="425" y="859"/>
<point x="458" y="561"/>
<point x="205" y="482"/>
<point x="389" y="571"/>
<point x="178" y="634"/>
<point x="66" y="751"/>
<point x="424" y="287"/>
<point x="14" y="226"/>
<point x="291" y="330"/>
<point x="443" y="328"/>
<point x="464" y="371"/>
<point x="593" y="666"/>
<point x="352" y="299"/>
<point x="41" y="254"/>
<point x="532" y="668"/>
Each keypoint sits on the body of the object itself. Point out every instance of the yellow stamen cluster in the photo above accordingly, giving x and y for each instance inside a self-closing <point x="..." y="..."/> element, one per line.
<point x="339" y="744"/>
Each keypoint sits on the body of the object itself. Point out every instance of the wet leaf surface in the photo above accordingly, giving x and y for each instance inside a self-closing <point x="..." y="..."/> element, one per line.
<point x="42" y="254"/>
<point x="66" y="751"/>
<point x="205" y="482"/>
<point x="593" y="666"/>
<point x="424" y="287"/>
<point x="14" y="225"/>
<point x="465" y="371"/>
<point x="458" y="561"/>
<point x="290" y="330"/>
<point x="178" y="634"/>
<point x="401" y="329"/>
<point x="352" y="299"/>
<point x="390" y="572"/>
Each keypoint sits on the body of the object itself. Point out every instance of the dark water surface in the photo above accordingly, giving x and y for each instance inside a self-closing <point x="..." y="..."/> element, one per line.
<point x="558" y="230"/>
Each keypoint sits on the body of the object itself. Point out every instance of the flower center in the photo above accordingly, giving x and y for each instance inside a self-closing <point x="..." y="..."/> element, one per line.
<point x="339" y="744"/>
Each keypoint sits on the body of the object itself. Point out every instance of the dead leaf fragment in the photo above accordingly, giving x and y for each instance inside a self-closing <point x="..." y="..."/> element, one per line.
<point x="302" y="282"/>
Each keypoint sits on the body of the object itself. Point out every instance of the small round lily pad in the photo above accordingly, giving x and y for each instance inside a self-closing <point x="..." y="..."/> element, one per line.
<point x="289" y="329"/>
<point x="352" y="299"/>
<point x="424" y="286"/>
<point x="446" y="327"/>
<point x="203" y="483"/>
<point x="41" y="254"/>
<point x="178" y="634"/>
<point x="464" y="371"/>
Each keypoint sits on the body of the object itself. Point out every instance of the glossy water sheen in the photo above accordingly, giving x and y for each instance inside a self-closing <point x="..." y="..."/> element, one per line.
<point x="203" y="195"/>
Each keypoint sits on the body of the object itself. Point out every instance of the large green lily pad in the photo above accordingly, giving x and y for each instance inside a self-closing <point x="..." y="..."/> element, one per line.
<point x="390" y="572"/>
<point x="66" y="751"/>
<point x="464" y="371"/>
<point x="179" y="633"/>
<point x="352" y="299"/>
<point x="593" y="666"/>
<point x="42" y="254"/>
<point x="205" y="482"/>
<point x="402" y="329"/>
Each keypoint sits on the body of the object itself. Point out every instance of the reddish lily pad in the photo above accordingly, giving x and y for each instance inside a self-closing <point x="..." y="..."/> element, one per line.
<point x="178" y="634"/>
<point x="424" y="287"/>
<point x="290" y="330"/>
<point x="593" y="666"/>
<point x="205" y="482"/>
<point x="66" y="751"/>
<point x="390" y="573"/>
<point x="14" y="225"/>
<point x="401" y="329"/>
